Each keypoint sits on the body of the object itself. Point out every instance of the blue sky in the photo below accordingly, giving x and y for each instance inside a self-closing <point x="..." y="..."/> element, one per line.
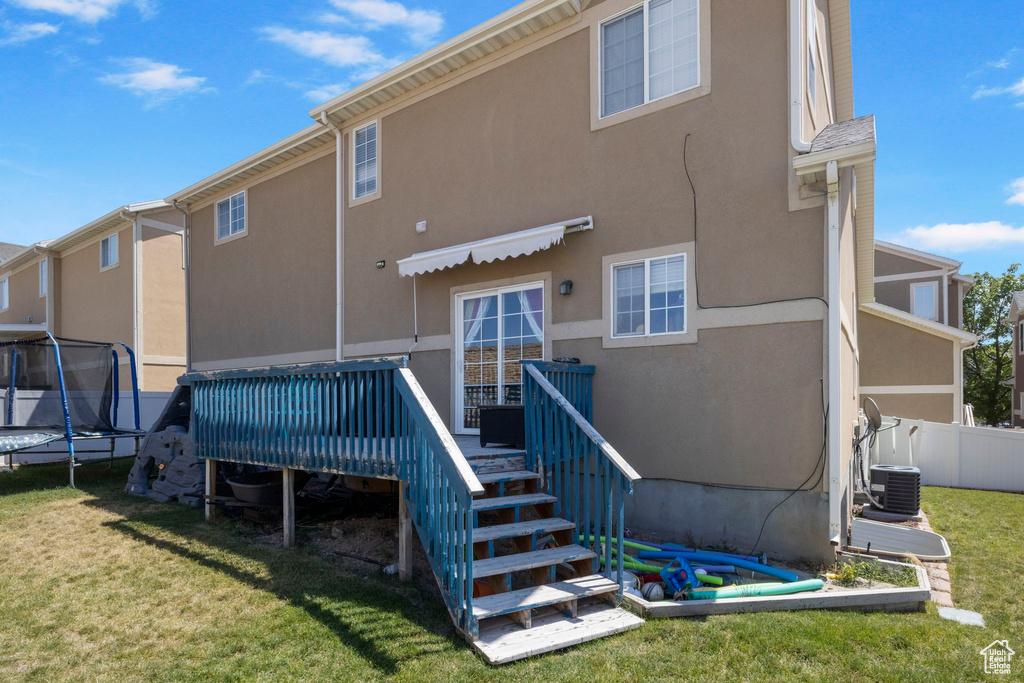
<point x="106" y="102"/>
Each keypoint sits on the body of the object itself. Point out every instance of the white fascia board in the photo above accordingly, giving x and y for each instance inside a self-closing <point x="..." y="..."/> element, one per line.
<point x="919" y="323"/>
<point x="809" y="165"/>
<point x="900" y="250"/>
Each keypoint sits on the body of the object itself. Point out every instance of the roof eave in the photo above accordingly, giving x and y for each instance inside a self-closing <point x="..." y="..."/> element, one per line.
<point x="934" y="259"/>
<point x="917" y="322"/>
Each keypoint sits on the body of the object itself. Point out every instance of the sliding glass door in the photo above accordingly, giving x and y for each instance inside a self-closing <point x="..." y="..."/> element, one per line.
<point x="497" y="329"/>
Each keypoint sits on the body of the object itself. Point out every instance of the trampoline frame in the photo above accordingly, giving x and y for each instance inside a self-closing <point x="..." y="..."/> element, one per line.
<point x="70" y="435"/>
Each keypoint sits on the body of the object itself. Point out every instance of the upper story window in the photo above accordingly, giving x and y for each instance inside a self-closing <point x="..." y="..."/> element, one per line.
<point x="364" y="160"/>
<point x="42" y="278"/>
<point x="812" y="38"/>
<point x="5" y="294"/>
<point x="108" y="252"/>
<point x="649" y="52"/>
<point x="649" y="297"/>
<point x="924" y="300"/>
<point x="1020" y="332"/>
<point x="231" y="216"/>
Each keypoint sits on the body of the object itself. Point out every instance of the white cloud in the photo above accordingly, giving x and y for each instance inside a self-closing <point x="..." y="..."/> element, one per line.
<point x="1017" y="89"/>
<point x="422" y="26"/>
<point x="1001" y="64"/>
<point x="155" y="81"/>
<point x="23" y="33"/>
<point x="958" y="237"/>
<point x="89" y="11"/>
<point x="1016" y="190"/>
<point x="334" y="49"/>
<point x="326" y="92"/>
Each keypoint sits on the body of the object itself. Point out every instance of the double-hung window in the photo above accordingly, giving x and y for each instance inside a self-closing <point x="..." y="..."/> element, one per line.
<point x="364" y="171"/>
<point x="5" y="294"/>
<point x="649" y="52"/>
<point x="42" y="278"/>
<point x="108" y="252"/>
<point x="649" y="297"/>
<point x="1020" y="336"/>
<point x="231" y="216"/>
<point x="924" y="300"/>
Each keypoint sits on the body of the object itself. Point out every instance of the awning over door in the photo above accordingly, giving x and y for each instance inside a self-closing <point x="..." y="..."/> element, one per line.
<point x="492" y="249"/>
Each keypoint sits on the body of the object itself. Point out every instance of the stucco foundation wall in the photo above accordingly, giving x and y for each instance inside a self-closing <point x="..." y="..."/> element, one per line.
<point x="930" y="407"/>
<point x="24" y="299"/>
<point x="272" y="291"/>
<point x="892" y="354"/>
<point x="94" y="305"/>
<point x="683" y="513"/>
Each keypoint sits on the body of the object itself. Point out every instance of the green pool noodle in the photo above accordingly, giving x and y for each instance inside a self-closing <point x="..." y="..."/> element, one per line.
<point x="753" y="590"/>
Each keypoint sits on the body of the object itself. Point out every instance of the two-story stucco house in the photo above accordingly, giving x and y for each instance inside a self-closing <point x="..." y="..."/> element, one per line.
<point x="119" y="278"/>
<point x="912" y="336"/>
<point x="1015" y="320"/>
<point x="674" y="191"/>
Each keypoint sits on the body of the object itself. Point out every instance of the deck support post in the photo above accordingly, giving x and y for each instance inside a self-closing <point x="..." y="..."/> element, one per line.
<point x="211" y="488"/>
<point x="404" y="536"/>
<point x="288" y="476"/>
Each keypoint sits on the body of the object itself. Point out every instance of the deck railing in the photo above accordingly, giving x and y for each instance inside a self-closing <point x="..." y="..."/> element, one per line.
<point x="586" y="474"/>
<point x="367" y="418"/>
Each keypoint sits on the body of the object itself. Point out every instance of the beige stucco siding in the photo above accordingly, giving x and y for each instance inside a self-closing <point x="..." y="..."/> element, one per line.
<point x="272" y="291"/>
<point x="94" y="305"/>
<point x="24" y="297"/>
<point x="161" y="377"/>
<point x="891" y="264"/>
<point x="930" y="407"/>
<point x="897" y="355"/>
<point x="163" y="294"/>
<point x="896" y="294"/>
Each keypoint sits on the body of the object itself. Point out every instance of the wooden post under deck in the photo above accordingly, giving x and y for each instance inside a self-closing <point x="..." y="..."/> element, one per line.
<point x="288" y="476"/>
<point x="404" y="536"/>
<point x="211" y="488"/>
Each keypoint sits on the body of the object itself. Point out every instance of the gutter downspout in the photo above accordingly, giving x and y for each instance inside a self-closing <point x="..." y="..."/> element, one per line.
<point x="835" y="440"/>
<point x="136" y="286"/>
<point x="186" y="246"/>
<point x="339" y="236"/>
<point x="796" y="81"/>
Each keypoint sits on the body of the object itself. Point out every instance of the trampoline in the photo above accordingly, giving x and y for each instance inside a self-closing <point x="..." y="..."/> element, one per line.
<point x="63" y="390"/>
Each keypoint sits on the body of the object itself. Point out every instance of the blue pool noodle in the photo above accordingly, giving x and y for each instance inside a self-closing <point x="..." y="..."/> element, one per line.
<point x="702" y="556"/>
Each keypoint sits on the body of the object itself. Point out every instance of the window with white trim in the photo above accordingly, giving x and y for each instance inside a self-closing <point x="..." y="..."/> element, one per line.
<point x="108" y="252"/>
<point x="364" y="161"/>
<point x="5" y="294"/>
<point x="231" y="216"/>
<point x="812" y="68"/>
<point x="649" y="52"/>
<point x="42" y="278"/>
<point x="1020" y="337"/>
<point x="924" y="300"/>
<point x="649" y="297"/>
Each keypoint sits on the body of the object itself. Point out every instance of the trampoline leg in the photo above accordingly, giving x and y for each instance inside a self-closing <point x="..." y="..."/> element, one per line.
<point x="113" y="445"/>
<point x="71" y="463"/>
<point x="211" y="488"/>
<point x="288" y="476"/>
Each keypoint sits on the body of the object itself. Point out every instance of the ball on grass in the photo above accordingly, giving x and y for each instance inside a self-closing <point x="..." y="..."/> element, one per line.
<point x="653" y="592"/>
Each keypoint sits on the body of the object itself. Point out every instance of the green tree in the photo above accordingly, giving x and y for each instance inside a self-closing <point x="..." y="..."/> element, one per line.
<point x="990" y="363"/>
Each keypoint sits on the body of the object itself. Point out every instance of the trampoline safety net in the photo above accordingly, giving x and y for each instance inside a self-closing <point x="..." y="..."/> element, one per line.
<point x="30" y="380"/>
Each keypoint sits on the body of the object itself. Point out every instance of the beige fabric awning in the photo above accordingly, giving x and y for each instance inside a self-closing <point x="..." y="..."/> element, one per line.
<point x="492" y="249"/>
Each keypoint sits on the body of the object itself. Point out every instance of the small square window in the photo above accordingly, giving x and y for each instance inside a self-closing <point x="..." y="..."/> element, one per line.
<point x="108" y="252"/>
<point x="649" y="297"/>
<point x="924" y="300"/>
<point x="364" y="161"/>
<point x="231" y="216"/>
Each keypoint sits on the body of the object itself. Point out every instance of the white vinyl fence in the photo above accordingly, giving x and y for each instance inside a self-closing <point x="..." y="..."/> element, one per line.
<point x="151" y="405"/>
<point x="954" y="455"/>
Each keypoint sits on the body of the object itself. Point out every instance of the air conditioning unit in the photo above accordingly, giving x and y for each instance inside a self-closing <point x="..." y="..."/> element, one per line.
<point x="897" y="488"/>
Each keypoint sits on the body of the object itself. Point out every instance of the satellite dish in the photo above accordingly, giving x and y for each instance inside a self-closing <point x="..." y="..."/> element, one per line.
<point x="873" y="414"/>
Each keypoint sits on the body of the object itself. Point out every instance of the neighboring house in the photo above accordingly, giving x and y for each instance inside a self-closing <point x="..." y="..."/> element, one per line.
<point x="118" y="279"/>
<point x="704" y="315"/>
<point x="7" y="250"/>
<point x="912" y="336"/>
<point x="1016" y="383"/>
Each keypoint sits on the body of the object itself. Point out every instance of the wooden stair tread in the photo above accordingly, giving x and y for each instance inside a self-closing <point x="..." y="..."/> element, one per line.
<point x="503" y="641"/>
<point x="499" y="477"/>
<point x="537" y="526"/>
<point x="511" y="501"/>
<point x="494" y="566"/>
<point x="542" y="596"/>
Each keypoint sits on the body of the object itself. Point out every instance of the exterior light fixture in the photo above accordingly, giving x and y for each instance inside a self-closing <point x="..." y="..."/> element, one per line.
<point x="565" y="289"/>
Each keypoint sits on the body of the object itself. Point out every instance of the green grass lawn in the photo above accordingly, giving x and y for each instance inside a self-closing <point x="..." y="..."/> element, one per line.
<point x="97" y="585"/>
